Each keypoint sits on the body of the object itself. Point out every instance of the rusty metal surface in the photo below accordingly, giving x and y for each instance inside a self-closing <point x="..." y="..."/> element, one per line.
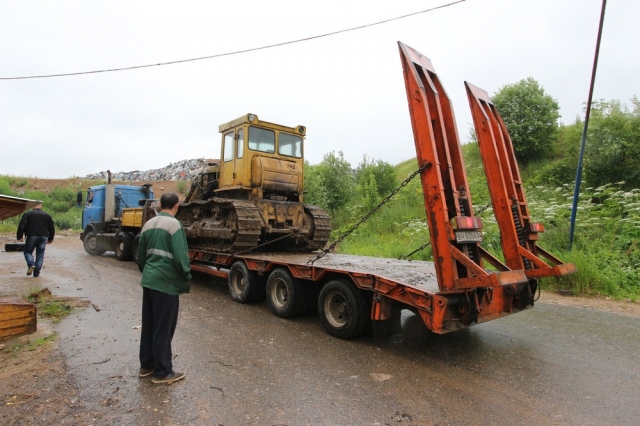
<point x="518" y="231"/>
<point x="416" y="274"/>
<point x="459" y="265"/>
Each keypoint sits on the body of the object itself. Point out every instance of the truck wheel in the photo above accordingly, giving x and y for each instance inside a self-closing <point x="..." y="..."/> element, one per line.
<point x="343" y="309"/>
<point x="124" y="242"/>
<point x="91" y="245"/>
<point x="286" y="296"/>
<point x="134" y="248"/>
<point x="244" y="285"/>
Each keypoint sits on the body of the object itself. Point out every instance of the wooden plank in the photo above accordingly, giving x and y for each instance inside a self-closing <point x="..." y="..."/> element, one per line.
<point x="26" y="313"/>
<point x="8" y="306"/>
<point x="18" y="331"/>
<point x="17" y="322"/>
<point x="17" y="318"/>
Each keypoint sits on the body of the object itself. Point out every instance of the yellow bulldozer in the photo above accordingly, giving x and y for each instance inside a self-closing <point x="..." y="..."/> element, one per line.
<point x="252" y="198"/>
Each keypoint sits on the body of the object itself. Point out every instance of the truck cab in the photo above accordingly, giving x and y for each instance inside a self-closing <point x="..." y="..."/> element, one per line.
<point x="113" y="216"/>
<point x="261" y="160"/>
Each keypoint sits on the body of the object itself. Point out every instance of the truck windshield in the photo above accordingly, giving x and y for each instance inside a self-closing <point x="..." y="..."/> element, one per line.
<point x="290" y="145"/>
<point x="262" y="140"/>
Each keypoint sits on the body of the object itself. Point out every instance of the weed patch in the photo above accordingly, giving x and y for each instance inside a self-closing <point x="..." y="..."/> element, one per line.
<point x="54" y="308"/>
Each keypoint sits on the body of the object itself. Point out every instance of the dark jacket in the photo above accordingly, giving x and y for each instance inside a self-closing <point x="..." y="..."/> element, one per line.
<point x="36" y="223"/>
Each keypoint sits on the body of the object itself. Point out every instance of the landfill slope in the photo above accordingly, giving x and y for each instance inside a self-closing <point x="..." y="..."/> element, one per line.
<point x="173" y="172"/>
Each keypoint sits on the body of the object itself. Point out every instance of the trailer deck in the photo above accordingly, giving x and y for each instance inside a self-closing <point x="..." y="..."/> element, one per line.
<point x="420" y="275"/>
<point x="416" y="274"/>
<point x="391" y="285"/>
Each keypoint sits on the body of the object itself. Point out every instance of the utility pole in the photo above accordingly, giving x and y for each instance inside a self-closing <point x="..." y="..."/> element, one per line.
<point x="576" y="192"/>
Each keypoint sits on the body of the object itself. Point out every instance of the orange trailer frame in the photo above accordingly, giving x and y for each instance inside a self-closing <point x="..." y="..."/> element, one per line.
<point x="456" y="290"/>
<point x="518" y="232"/>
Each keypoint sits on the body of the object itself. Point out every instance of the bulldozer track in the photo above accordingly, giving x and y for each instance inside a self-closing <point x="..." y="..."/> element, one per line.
<point x="239" y="221"/>
<point x="232" y="226"/>
<point x="321" y="226"/>
<point x="249" y="226"/>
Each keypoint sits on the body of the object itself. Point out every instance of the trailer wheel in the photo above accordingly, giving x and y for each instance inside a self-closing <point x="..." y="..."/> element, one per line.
<point x="91" y="245"/>
<point x="124" y="242"/>
<point x="244" y="285"/>
<point x="343" y="309"/>
<point x="134" y="248"/>
<point x="286" y="296"/>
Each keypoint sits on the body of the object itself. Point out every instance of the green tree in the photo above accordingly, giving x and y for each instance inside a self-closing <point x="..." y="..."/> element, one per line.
<point x="314" y="189"/>
<point x="331" y="183"/>
<point x="531" y="116"/>
<point x="613" y="144"/>
<point x="560" y="167"/>
<point x="377" y="172"/>
<point x="370" y="197"/>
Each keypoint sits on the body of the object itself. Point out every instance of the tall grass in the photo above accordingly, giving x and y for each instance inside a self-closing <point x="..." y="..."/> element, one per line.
<point x="606" y="248"/>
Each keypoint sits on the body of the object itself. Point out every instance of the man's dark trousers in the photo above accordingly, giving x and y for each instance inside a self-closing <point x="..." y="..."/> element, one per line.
<point x="39" y="243"/>
<point x="159" y="319"/>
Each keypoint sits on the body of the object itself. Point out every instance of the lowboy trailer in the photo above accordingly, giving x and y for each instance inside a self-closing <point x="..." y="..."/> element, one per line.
<point x="465" y="285"/>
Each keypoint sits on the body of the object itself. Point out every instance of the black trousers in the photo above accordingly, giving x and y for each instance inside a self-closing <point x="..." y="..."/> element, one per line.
<point x="159" y="319"/>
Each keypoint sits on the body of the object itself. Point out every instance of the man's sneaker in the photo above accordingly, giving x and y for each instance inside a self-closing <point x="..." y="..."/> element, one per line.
<point x="144" y="372"/>
<point x="30" y="270"/>
<point x="169" y="378"/>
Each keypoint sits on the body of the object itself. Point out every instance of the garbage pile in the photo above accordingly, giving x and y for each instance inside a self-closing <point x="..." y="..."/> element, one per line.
<point x="172" y="172"/>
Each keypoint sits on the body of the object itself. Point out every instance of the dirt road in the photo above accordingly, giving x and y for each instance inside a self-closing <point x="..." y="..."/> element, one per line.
<point x="554" y="364"/>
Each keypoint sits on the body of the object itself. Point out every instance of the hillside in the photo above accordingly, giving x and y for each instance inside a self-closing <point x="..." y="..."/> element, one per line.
<point x="164" y="179"/>
<point x="606" y="248"/>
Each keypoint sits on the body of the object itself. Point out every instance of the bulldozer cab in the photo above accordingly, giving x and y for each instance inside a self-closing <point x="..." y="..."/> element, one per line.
<point x="261" y="160"/>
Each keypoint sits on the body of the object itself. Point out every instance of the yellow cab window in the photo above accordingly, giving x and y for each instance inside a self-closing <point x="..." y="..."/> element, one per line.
<point x="228" y="147"/>
<point x="262" y="140"/>
<point x="290" y="145"/>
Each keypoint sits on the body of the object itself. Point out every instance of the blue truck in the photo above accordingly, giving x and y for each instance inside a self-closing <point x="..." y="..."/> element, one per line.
<point x="113" y="216"/>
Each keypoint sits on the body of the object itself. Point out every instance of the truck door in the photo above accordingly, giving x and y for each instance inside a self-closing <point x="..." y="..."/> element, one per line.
<point x="93" y="211"/>
<point x="232" y="170"/>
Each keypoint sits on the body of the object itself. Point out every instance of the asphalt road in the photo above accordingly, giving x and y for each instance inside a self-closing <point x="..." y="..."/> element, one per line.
<point x="549" y="365"/>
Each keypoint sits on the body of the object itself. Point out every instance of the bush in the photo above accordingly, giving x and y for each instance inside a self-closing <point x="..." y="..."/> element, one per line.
<point x="5" y="187"/>
<point x="181" y="186"/>
<point x="331" y="183"/>
<point x="378" y="173"/>
<point x="556" y="172"/>
<point x="70" y="220"/>
<point x="613" y="144"/>
<point x="18" y="181"/>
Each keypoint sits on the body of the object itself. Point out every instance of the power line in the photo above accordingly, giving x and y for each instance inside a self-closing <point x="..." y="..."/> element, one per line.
<point x="236" y="52"/>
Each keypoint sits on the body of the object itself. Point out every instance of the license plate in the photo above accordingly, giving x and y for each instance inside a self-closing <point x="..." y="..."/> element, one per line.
<point x="469" y="236"/>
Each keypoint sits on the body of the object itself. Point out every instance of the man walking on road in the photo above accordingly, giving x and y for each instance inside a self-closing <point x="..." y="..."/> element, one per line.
<point x="163" y="259"/>
<point x="39" y="228"/>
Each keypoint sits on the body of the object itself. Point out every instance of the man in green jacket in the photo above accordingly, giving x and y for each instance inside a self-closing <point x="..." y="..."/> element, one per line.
<point x="163" y="259"/>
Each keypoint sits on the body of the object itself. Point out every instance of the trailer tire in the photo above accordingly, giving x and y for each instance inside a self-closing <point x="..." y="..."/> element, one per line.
<point x="134" y="248"/>
<point x="343" y="309"/>
<point x="286" y="296"/>
<point x="124" y="243"/>
<point x="91" y="245"/>
<point x="244" y="285"/>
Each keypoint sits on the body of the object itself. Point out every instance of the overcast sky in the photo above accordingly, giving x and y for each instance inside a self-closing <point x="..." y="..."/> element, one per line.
<point x="347" y="89"/>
